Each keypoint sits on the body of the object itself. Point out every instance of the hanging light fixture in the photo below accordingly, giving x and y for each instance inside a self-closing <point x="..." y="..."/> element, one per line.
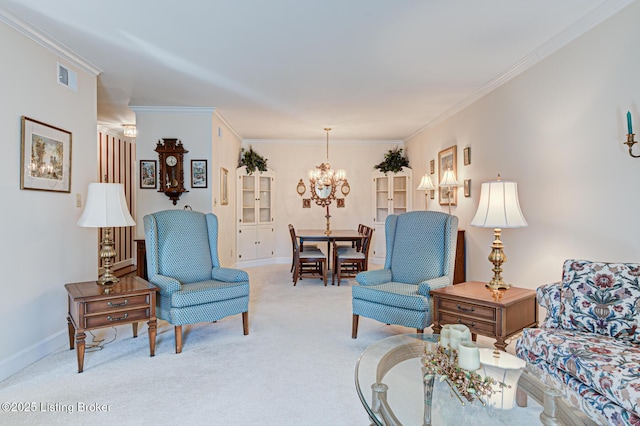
<point x="324" y="183"/>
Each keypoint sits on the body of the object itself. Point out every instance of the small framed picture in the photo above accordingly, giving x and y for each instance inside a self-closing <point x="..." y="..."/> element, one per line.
<point x="432" y="194"/>
<point x="45" y="157"/>
<point x="198" y="173"/>
<point x="306" y="203"/>
<point x="340" y="202"/>
<point x="432" y="166"/>
<point x="224" y="186"/>
<point x="466" y="155"/>
<point x="148" y="174"/>
<point x="467" y="187"/>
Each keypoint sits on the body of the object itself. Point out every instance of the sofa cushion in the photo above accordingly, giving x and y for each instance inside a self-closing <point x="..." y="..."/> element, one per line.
<point x="609" y="366"/>
<point x="602" y="298"/>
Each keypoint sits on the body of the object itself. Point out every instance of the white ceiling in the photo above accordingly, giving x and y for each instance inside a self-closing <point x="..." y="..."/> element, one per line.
<point x="285" y="69"/>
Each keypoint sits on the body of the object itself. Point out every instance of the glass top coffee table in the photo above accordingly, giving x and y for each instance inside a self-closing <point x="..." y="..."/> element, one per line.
<point x="389" y="382"/>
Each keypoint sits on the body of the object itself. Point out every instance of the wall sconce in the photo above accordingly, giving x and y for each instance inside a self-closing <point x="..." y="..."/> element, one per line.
<point x="630" y="136"/>
<point x="130" y="130"/>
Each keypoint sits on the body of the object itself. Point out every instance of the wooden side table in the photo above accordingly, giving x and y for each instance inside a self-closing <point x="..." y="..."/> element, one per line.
<point x="498" y="314"/>
<point x="93" y="306"/>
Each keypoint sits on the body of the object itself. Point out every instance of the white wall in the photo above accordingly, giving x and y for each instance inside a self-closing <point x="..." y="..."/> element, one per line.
<point x="42" y="247"/>
<point x="207" y="137"/>
<point x="292" y="159"/>
<point x="558" y="130"/>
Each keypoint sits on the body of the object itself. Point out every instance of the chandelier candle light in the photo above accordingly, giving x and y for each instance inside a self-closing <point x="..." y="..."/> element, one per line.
<point x="498" y="208"/>
<point x="324" y="183"/>
<point x="106" y="207"/>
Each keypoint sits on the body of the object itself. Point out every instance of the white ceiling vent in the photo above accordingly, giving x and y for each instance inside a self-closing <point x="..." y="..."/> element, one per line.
<point x="67" y="77"/>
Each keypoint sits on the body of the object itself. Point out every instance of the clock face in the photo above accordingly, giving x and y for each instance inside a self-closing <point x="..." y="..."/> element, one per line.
<point x="171" y="161"/>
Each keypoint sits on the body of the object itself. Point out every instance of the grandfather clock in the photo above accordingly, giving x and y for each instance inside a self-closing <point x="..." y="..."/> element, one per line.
<point x="171" y="176"/>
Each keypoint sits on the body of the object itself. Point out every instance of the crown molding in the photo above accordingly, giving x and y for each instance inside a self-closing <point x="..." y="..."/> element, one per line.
<point x="171" y="109"/>
<point x="569" y="34"/>
<point x="298" y="142"/>
<point x="44" y="40"/>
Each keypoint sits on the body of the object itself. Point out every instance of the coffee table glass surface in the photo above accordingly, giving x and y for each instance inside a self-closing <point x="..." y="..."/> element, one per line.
<point x="389" y="382"/>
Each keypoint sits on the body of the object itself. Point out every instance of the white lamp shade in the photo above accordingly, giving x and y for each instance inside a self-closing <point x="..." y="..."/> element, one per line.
<point x="426" y="184"/>
<point x="106" y="207"/>
<point x="499" y="206"/>
<point x="449" y="179"/>
<point x="504" y="368"/>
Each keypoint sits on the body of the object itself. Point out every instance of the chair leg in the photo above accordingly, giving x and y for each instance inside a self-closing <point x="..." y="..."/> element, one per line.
<point x="296" y="271"/>
<point x="245" y="323"/>
<point x="324" y="273"/>
<point x="419" y="330"/>
<point x="178" y="332"/>
<point x="354" y="326"/>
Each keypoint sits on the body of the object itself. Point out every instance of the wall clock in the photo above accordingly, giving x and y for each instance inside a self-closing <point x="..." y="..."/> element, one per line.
<point x="171" y="175"/>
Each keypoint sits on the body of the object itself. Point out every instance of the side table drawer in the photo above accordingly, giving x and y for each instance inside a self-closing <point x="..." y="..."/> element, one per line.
<point x="114" y="318"/>
<point x="464" y="308"/>
<point x="475" y="326"/>
<point x="119" y="302"/>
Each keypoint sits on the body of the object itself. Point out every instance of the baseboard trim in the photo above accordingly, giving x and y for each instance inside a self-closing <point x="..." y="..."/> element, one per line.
<point x="35" y="352"/>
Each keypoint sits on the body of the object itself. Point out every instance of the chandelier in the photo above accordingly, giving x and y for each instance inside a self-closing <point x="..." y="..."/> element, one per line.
<point x="324" y="183"/>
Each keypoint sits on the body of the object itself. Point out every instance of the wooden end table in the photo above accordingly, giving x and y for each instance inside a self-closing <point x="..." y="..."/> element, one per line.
<point x="498" y="314"/>
<point x="93" y="306"/>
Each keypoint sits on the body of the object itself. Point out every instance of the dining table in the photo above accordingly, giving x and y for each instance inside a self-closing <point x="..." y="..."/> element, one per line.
<point x="319" y="235"/>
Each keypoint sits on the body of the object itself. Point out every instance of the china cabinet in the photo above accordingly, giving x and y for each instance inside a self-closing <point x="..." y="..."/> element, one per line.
<point x="392" y="194"/>
<point x="255" y="230"/>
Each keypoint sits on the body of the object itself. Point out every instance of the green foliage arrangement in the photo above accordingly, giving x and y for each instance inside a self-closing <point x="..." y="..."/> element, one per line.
<point x="394" y="161"/>
<point x="252" y="161"/>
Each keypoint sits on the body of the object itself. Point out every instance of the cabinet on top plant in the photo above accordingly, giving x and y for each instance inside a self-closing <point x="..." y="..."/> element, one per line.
<point x="255" y="230"/>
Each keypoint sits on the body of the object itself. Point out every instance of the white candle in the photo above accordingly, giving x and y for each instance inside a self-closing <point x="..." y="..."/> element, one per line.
<point x="445" y="334"/>
<point x="468" y="356"/>
<point x="459" y="333"/>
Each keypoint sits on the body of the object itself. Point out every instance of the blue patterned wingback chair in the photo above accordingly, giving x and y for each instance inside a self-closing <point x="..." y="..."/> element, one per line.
<point x="420" y="256"/>
<point x="182" y="260"/>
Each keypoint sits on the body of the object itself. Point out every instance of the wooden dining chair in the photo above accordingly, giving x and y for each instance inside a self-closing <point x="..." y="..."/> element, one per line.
<point x="349" y="261"/>
<point x="309" y="262"/>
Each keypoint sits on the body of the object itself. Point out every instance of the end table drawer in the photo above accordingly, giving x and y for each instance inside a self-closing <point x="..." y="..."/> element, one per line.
<point x="115" y="318"/>
<point x="475" y="326"/>
<point x="115" y="303"/>
<point x="464" y="308"/>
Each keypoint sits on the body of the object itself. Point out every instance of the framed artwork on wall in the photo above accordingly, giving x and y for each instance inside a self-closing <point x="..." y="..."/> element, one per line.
<point x="432" y="166"/>
<point x="45" y="157"/>
<point x="466" y="155"/>
<point x="198" y="173"/>
<point x="224" y="186"/>
<point x="467" y="187"/>
<point x="148" y="174"/>
<point x="306" y="203"/>
<point x="448" y="160"/>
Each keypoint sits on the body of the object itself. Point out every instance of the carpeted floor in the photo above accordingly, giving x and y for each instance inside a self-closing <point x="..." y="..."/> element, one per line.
<point x="296" y="367"/>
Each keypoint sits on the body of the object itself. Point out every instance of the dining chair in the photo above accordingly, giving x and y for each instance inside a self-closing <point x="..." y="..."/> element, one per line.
<point x="182" y="260"/>
<point x="349" y="261"/>
<point x="420" y="257"/>
<point x="308" y="262"/>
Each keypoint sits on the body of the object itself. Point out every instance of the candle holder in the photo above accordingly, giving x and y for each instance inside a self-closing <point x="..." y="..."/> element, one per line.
<point x="630" y="142"/>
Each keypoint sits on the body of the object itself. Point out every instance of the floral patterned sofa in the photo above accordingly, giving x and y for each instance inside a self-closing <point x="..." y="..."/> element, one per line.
<point x="589" y="342"/>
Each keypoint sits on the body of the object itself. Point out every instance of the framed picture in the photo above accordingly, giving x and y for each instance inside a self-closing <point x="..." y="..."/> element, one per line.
<point x="467" y="187"/>
<point x="466" y="155"/>
<point x="448" y="160"/>
<point x="432" y="194"/>
<point x="306" y="203"/>
<point x="45" y="157"/>
<point x="340" y="202"/>
<point x="148" y="174"/>
<point x="198" y="173"/>
<point x="224" y="186"/>
<point x="432" y="166"/>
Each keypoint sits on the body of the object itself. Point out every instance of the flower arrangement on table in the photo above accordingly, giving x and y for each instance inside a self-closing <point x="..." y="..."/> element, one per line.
<point x="443" y="362"/>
